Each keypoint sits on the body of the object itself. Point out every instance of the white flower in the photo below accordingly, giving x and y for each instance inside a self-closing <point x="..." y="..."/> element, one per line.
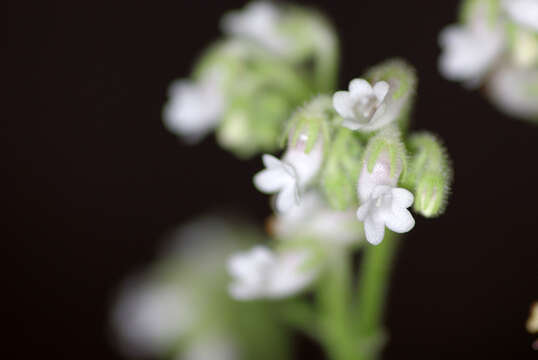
<point x="150" y="317"/>
<point x="524" y="12"/>
<point x="314" y="218"/>
<point x="289" y="176"/>
<point x="259" y="23"/>
<point x="194" y="108"/>
<point x="512" y="90"/>
<point x="386" y="206"/>
<point x="382" y="203"/>
<point x="469" y="51"/>
<point x="363" y="107"/>
<point x="261" y="273"/>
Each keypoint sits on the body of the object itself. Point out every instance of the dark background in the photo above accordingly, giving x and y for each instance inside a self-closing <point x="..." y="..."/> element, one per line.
<point x="94" y="180"/>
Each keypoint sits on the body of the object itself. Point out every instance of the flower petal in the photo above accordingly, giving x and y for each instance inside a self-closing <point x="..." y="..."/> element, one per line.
<point x="270" y="161"/>
<point x="402" y="197"/>
<point x="270" y="181"/>
<point x="381" y="88"/>
<point x="343" y="104"/>
<point x="374" y="230"/>
<point x="359" y="88"/>
<point x="287" y="198"/>
<point x="364" y="210"/>
<point x="399" y="220"/>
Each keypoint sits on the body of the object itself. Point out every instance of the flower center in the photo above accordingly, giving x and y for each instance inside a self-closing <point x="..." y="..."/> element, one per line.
<point x="365" y="108"/>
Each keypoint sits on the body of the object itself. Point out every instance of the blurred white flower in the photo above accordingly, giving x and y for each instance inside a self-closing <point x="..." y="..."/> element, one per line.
<point x="524" y="12"/>
<point x="262" y="273"/>
<point x="259" y="23"/>
<point x="314" y="218"/>
<point x="210" y="348"/>
<point x="289" y="176"/>
<point x="149" y="317"/>
<point x="279" y="176"/>
<point x="363" y="107"/>
<point x="386" y="206"/>
<point x="515" y="91"/>
<point x="194" y="108"/>
<point x="470" y="50"/>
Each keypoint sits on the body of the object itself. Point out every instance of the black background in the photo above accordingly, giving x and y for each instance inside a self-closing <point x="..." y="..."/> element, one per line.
<point x="94" y="180"/>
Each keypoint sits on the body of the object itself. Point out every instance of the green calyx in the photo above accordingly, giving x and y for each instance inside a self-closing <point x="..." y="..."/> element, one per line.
<point x="387" y="141"/>
<point x="430" y="174"/>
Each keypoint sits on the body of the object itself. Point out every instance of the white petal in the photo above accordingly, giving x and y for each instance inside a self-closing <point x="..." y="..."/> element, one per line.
<point x="287" y="198"/>
<point x="402" y="197"/>
<point x="359" y="88"/>
<point x="343" y="104"/>
<point x="381" y="88"/>
<point x="399" y="220"/>
<point x="270" y="161"/>
<point x="364" y="210"/>
<point x="271" y="180"/>
<point x="374" y="230"/>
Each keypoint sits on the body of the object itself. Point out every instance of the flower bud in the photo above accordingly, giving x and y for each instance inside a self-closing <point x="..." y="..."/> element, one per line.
<point x="430" y="195"/>
<point x="312" y="120"/>
<point x="430" y="174"/>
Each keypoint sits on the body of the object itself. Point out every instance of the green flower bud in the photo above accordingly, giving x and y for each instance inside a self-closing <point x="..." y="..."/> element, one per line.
<point x="402" y="80"/>
<point x="430" y="174"/>
<point x="342" y="167"/>
<point x="314" y="120"/>
<point x="430" y="199"/>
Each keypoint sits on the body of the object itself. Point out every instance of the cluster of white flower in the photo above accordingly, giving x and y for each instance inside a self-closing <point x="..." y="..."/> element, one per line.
<point x="362" y="108"/>
<point x="301" y="210"/>
<point x="498" y="47"/>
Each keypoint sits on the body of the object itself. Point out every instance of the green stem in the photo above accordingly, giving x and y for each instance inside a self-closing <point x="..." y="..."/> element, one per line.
<point x="373" y="285"/>
<point x="334" y="298"/>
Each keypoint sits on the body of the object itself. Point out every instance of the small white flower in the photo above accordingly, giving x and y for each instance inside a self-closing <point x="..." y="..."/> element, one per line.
<point x="363" y="106"/>
<point x="261" y="273"/>
<point x="194" y="108"/>
<point x="469" y="51"/>
<point x="512" y="90"/>
<point x="259" y="23"/>
<point x="289" y="176"/>
<point x="524" y="12"/>
<point x="386" y="206"/>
